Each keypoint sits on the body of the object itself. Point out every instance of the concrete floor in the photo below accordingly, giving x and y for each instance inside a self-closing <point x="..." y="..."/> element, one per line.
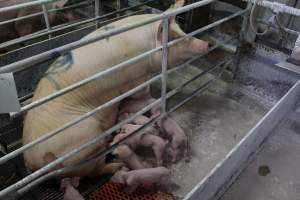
<point x="215" y="122"/>
<point x="274" y="174"/>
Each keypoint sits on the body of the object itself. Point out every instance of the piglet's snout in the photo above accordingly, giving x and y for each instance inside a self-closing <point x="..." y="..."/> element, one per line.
<point x="198" y="46"/>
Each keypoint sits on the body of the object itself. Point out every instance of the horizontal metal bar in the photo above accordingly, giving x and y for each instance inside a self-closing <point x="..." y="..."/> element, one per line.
<point x="138" y="131"/>
<point x="50" y="134"/>
<point x="66" y="26"/>
<point x="290" y="31"/>
<point x="49" y="11"/>
<point x="24" y="5"/>
<point x="205" y="28"/>
<point x="277" y="7"/>
<point x="86" y="81"/>
<point x="80" y="29"/>
<point x="23" y="64"/>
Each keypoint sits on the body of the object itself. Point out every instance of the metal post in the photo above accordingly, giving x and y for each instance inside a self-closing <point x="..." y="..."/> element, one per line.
<point x="97" y="11"/>
<point x="164" y="66"/>
<point x="237" y="58"/>
<point x="118" y="6"/>
<point x="45" y="13"/>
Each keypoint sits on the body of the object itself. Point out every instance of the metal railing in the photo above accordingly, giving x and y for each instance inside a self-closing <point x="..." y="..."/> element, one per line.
<point x="61" y="27"/>
<point x="36" y="176"/>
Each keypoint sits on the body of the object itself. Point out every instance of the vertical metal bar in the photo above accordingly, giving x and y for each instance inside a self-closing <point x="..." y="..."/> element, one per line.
<point x="164" y="66"/>
<point x="97" y="11"/>
<point x="118" y="6"/>
<point x="45" y="13"/>
<point x="240" y="45"/>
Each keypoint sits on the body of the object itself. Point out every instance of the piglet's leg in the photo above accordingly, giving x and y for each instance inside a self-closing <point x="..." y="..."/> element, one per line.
<point x="126" y="155"/>
<point x="68" y="185"/>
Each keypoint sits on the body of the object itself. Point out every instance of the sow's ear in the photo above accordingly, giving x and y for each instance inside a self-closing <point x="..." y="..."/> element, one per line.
<point x="174" y="29"/>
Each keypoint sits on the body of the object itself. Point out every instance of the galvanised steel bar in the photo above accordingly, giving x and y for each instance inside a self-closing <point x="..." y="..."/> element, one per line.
<point x="165" y="36"/>
<point x="66" y="26"/>
<point x="212" y="25"/>
<point x="17" y="152"/>
<point x="45" y="13"/>
<point x="23" y="64"/>
<point x="290" y="31"/>
<point x="97" y="11"/>
<point x="87" y="80"/>
<point x="24" y="5"/>
<point x="81" y="4"/>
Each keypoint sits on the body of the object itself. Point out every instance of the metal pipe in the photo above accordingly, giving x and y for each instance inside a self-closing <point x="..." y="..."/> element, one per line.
<point x="66" y="156"/>
<point x="65" y="26"/>
<point x="80" y="29"/>
<point x="50" y="134"/>
<point x="277" y="7"/>
<point x="205" y="28"/>
<point x="24" y="5"/>
<point x="87" y="80"/>
<point x="97" y="12"/>
<point x="23" y="64"/>
<point x="164" y="66"/>
<point x="49" y="11"/>
<point x="290" y="31"/>
<point x="45" y="13"/>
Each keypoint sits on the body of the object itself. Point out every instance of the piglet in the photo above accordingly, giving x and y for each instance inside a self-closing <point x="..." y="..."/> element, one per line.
<point x="139" y="120"/>
<point x="148" y="138"/>
<point x="179" y="138"/>
<point x="126" y="155"/>
<point x="68" y="185"/>
<point x="133" y="179"/>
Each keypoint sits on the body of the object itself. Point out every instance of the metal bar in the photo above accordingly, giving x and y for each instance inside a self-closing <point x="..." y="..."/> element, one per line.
<point x="23" y="64"/>
<point x="97" y="12"/>
<point x="87" y="80"/>
<point x="277" y="7"/>
<point x="228" y="169"/>
<point x="205" y="28"/>
<point x="241" y="41"/>
<point x="290" y="31"/>
<point x="118" y="6"/>
<point x="26" y="180"/>
<point x="45" y="13"/>
<point x="24" y="5"/>
<point x="80" y="29"/>
<point x="17" y="152"/>
<point x="51" y="10"/>
<point x="164" y="67"/>
<point x="65" y="26"/>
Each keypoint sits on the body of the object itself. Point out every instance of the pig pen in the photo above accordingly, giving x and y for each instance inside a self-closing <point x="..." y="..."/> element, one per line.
<point x="218" y="114"/>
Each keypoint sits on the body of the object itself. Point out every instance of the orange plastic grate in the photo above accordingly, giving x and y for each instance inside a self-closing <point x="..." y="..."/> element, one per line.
<point x="113" y="191"/>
